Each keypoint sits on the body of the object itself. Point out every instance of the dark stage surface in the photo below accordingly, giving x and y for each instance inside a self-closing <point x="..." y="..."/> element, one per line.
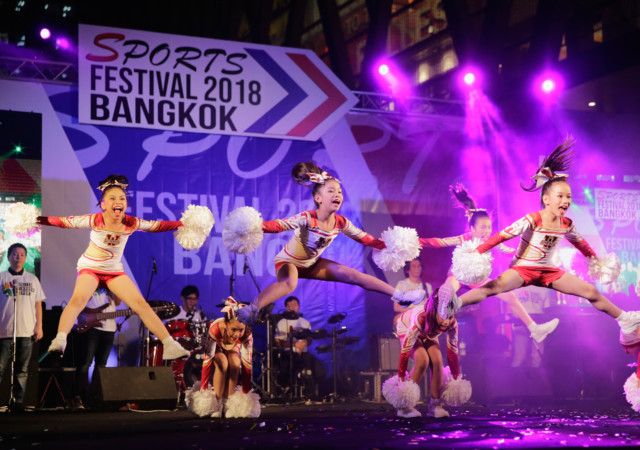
<point x="344" y="425"/>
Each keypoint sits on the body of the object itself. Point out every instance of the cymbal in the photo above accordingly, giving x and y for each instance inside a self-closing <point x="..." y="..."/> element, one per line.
<point x="164" y="309"/>
<point x="337" y="317"/>
<point x="320" y="333"/>
<point x="327" y="348"/>
<point x="347" y="340"/>
<point x="302" y="333"/>
<point x="341" y="330"/>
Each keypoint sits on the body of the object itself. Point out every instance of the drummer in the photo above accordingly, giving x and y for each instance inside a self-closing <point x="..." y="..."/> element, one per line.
<point x="292" y="306"/>
<point x="190" y="310"/>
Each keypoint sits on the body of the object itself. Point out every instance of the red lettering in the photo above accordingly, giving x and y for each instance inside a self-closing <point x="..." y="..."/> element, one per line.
<point x="98" y="43"/>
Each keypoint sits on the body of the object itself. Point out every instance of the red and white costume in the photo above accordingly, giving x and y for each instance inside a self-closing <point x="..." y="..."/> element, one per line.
<point x="533" y="258"/>
<point x="309" y="241"/>
<point x="104" y="254"/>
<point x="216" y="344"/>
<point x="415" y="326"/>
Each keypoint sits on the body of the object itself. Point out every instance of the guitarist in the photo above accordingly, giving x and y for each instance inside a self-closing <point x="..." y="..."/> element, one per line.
<point x="94" y="343"/>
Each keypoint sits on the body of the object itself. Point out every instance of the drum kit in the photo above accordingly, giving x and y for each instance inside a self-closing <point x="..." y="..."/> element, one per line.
<point x="191" y="334"/>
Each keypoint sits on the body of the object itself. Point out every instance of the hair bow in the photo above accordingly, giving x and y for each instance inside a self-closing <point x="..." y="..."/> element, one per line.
<point x="231" y="306"/>
<point x="545" y="174"/>
<point x="320" y="178"/>
<point x="110" y="183"/>
<point x="469" y="212"/>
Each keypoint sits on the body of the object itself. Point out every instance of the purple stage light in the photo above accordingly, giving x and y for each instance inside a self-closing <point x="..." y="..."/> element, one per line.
<point x="63" y="43"/>
<point x="45" y="33"/>
<point x="383" y="69"/>
<point x="548" y="86"/>
<point x="469" y="78"/>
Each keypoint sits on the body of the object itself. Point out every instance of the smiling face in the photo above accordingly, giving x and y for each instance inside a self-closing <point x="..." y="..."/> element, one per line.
<point x="557" y="198"/>
<point x="234" y="331"/>
<point x="114" y="203"/>
<point x="329" y="196"/>
<point x="482" y="228"/>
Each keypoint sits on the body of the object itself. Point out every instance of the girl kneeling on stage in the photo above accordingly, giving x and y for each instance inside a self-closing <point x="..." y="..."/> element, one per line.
<point x="418" y="330"/>
<point x="229" y="349"/>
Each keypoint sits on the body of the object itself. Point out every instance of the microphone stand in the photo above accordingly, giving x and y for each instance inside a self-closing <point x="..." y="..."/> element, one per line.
<point x="232" y="277"/>
<point x="144" y="361"/>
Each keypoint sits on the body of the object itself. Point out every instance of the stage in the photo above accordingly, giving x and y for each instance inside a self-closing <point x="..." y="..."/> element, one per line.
<point x="351" y="424"/>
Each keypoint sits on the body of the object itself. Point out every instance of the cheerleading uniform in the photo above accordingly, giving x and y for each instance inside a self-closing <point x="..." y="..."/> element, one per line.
<point x="416" y="325"/>
<point x="103" y="258"/>
<point x="216" y="344"/>
<point x="309" y="240"/>
<point x="533" y="258"/>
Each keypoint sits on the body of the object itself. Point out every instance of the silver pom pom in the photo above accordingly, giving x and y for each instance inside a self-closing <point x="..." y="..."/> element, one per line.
<point x="243" y="405"/>
<point x="21" y="219"/>
<point x="402" y="245"/>
<point x="632" y="391"/>
<point x="401" y="394"/>
<point x="242" y="231"/>
<point x="455" y="392"/>
<point x="470" y="267"/>
<point x="197" y="222"/>
<point x="605" y="269"/>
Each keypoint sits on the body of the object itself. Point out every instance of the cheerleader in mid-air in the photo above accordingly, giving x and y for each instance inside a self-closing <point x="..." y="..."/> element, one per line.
<point x="480" y="226"/>
<point x="540" y="233"/>
<point x="101" y="263"/>
<point x="314" y="232"/>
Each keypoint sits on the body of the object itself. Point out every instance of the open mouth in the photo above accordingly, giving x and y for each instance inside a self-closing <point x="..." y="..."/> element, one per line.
<point x="564" y="208"/>
<point x="118" y="210"/>
<point x="336" y="202"/>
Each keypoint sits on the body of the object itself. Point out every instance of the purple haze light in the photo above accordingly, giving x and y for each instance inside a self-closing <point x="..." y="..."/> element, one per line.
<point x="548" y="86"/>
<point x="63" y="43"/>
<point x="469" y="78"/>
<point x="383" y="69"/>
<point x="45" y="33"/>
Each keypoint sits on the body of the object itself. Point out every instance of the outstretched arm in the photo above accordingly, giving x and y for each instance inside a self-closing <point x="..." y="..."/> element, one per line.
<point x="444" y="242"/>
<point x="355" y="233"/>
<point x="579" y="242"/>
<point x="290" y="223"/>
<point x="66" y="222"/>
<point x="513" y="230"/>
<point x="157" y="226"/>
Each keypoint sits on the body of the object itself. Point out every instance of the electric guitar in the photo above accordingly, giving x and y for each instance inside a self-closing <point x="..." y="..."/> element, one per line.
<point x="93" y="317"/>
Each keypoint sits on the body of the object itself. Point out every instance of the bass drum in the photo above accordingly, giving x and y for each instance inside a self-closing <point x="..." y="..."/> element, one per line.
<point x="192" y="371"/>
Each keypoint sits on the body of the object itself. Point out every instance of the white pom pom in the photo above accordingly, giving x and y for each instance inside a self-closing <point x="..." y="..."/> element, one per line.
<point x="21" y="219"/>
<point x="202" y="402"/>
<point x="455" y="392"/>
<point x="606" y="269"/>
<point x="243" y="405"/>
<point x="470" y="267"/>
<point x="632" y="392"/>
<point x="401" y="394"/>
<point x="402" y="245"/>
<point x="242" y="232"/>
<point x="197" y="222"/>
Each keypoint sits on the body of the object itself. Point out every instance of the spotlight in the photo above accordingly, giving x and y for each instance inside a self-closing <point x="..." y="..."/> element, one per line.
<point x="548" y="86"/>
<point x="469" y="78"/>
<point x="63" y="43"/>
<point x="383" y="69"/>
<point x="45" y="33"/>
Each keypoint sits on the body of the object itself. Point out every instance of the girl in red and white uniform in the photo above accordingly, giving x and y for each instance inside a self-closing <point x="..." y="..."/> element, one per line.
<point x="480" y="226"/>
<point x="540" y="233"/>
<point x="101" y="263"/>
<point x="228" y="351"/>
<point x="314" y="232"/>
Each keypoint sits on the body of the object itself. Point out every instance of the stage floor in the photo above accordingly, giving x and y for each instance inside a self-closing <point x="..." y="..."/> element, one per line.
<point x="352" y="424"/>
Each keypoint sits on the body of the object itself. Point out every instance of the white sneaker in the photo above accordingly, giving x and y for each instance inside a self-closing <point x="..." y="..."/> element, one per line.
<point x="409" y="413"/>
<point x="541" y="331"/>
<point x="217" y="414"/>
<point x="438" y="412"/>
<point x="630" y="322"/>
<point x="173" y="350"/>
<point x="406" y="298"/>
<point x="58" y="344"/>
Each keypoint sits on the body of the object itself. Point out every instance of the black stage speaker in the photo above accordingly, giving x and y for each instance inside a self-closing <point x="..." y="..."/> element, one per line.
<point x="149" y="387"/>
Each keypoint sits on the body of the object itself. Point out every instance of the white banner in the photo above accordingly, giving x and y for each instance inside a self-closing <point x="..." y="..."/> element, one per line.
<point x="617" y="204"/>
<point x="132" y="78"/>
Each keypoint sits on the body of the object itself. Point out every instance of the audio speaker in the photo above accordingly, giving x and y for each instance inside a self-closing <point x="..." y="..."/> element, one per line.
<point x="386" y="352"/>
<point x="149" y="387"/>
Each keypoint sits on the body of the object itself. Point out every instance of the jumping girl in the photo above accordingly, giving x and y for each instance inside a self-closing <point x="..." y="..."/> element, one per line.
<point x="480" y="226"/>
<point x="314" y="231"/>
<point x="540" y="233"/>
<point x="101" y="263"/>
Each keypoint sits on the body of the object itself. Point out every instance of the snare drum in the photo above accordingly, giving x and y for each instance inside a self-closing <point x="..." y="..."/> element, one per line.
<point x="178" y="328"/>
